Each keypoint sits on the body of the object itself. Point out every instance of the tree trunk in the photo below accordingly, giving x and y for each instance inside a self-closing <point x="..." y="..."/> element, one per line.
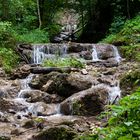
<point x="39" y="15"/>
<point x="128" y="9"/>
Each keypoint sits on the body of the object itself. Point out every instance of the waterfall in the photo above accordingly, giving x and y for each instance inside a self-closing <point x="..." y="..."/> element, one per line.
<point x="94" y="54"/>
<point x="114" y="93"/>
<point x="39" y="54"/>
<point x="116" y="54"/>
<point x="24" y="85"/>
<point x="64" y="49"/>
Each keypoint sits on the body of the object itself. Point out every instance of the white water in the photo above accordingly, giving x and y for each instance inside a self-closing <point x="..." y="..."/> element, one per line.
<point x="41" y="52"/>
<point x="94" y="54"/>
<point x="24" y="85"/>
<point x="116" y="54"/>
<point x="38" y="55"/>
<point x="114" y="92"/>
<point x="33" y="108"/>
<point x="64" y="49"/>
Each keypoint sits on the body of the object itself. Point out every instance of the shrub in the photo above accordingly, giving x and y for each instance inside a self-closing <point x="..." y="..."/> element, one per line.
<point x="8" y="59"/>
<point x="34" y="36"/>
<point x="6" y="37"/>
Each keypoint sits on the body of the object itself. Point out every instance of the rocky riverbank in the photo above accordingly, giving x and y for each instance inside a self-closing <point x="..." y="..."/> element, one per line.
<point x="58" y="104"/>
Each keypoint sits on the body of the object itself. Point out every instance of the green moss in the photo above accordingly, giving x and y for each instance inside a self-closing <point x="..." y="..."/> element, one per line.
<point x="130" y="81"/>
<point x="131" y="52"/>
<point x="4" y="138"/>
<point x="77" y="108"/>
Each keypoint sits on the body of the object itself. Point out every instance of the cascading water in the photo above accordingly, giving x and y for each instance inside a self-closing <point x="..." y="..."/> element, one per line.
<point x="24" y="85"/>
<point x="94" y="54"/>
<point x="114" y="94"/>
<point x="64" y="50"/>
<point x="116" y="54"/>
<point x="40" y="52"/>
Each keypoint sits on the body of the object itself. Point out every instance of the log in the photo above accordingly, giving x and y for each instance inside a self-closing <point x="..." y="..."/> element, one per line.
<point x="46" y="70"/>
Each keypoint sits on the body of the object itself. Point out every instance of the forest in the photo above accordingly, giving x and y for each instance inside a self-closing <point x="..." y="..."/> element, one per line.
<point x="70" y="70"/>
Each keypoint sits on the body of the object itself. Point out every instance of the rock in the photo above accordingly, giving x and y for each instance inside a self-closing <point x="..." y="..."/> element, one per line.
<point x="65" y="85"/>
<point x="39" y="96"/>
<point x="77" y="47"/>
<point x="105" y="51"/>
<point x="87" y="102"/>
<point x="106" y="80"/>
<point x="84" y="72"/>
<point x="61" y="83"/>
<point x="55" y="133"/>
<point x="45" y="70"/>
<point x="129" y="81"/>
<point x="3" y="117"/>
<point x="15" y="132"/>
<point x="21" y="72"/>
<point x="111" y="62"/>
<point x="28" y="123"/>
<point x="6" y="105"/>
<point x="87" y="55"/>
<point x="2" y="72"/>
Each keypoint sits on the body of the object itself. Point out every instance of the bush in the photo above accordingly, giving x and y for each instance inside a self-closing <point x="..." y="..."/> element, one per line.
<point x="8" y="59"/>
<point x="34" y="36"/>
<point x="64" y="62"/>
<point x="129" y="33"/>
<point x="6" y="37"/>
<point x="117" y="24"/>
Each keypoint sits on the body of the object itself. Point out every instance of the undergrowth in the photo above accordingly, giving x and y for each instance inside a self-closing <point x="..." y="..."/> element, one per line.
<point x="128" y="38"/>
<point x="8" y="57"/>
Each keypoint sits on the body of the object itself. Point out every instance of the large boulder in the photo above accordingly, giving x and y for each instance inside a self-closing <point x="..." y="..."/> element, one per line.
<point x="77" y="47"/>
<point x="39" y="96"/>
<point x="87" y="102"/>
<point x="62" y="84"/>
<point x="130" y="81"/>
<point x="105" y="51"/>
<point x="55" y="133"/>
<point x="7" y="105"/>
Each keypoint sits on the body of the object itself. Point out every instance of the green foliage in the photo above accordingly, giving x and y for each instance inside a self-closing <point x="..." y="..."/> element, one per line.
<point x="8" y="59"/>
<point x="63" y="62"/>
<point x="129" y="34"/>
<point x="128" y="38"/>
<point x="117" y="24"/>
<point x="53" y="29"/>
<point x="34" y="36"/>
<point x="131" y="52"/>
<point x="125" y="120"/>
<point x="6" y="37"/>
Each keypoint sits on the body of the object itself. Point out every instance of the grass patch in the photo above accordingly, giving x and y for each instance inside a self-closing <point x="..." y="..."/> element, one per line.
<point x="64" y="62"/>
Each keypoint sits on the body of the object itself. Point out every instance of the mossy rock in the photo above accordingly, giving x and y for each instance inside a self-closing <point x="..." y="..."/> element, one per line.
<point x="130" y="81"/>
<point x="29" y="124"/>
<point x="131" y="53"/>
<point x="56" y="133"/>
<point x="4" y="138"/>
